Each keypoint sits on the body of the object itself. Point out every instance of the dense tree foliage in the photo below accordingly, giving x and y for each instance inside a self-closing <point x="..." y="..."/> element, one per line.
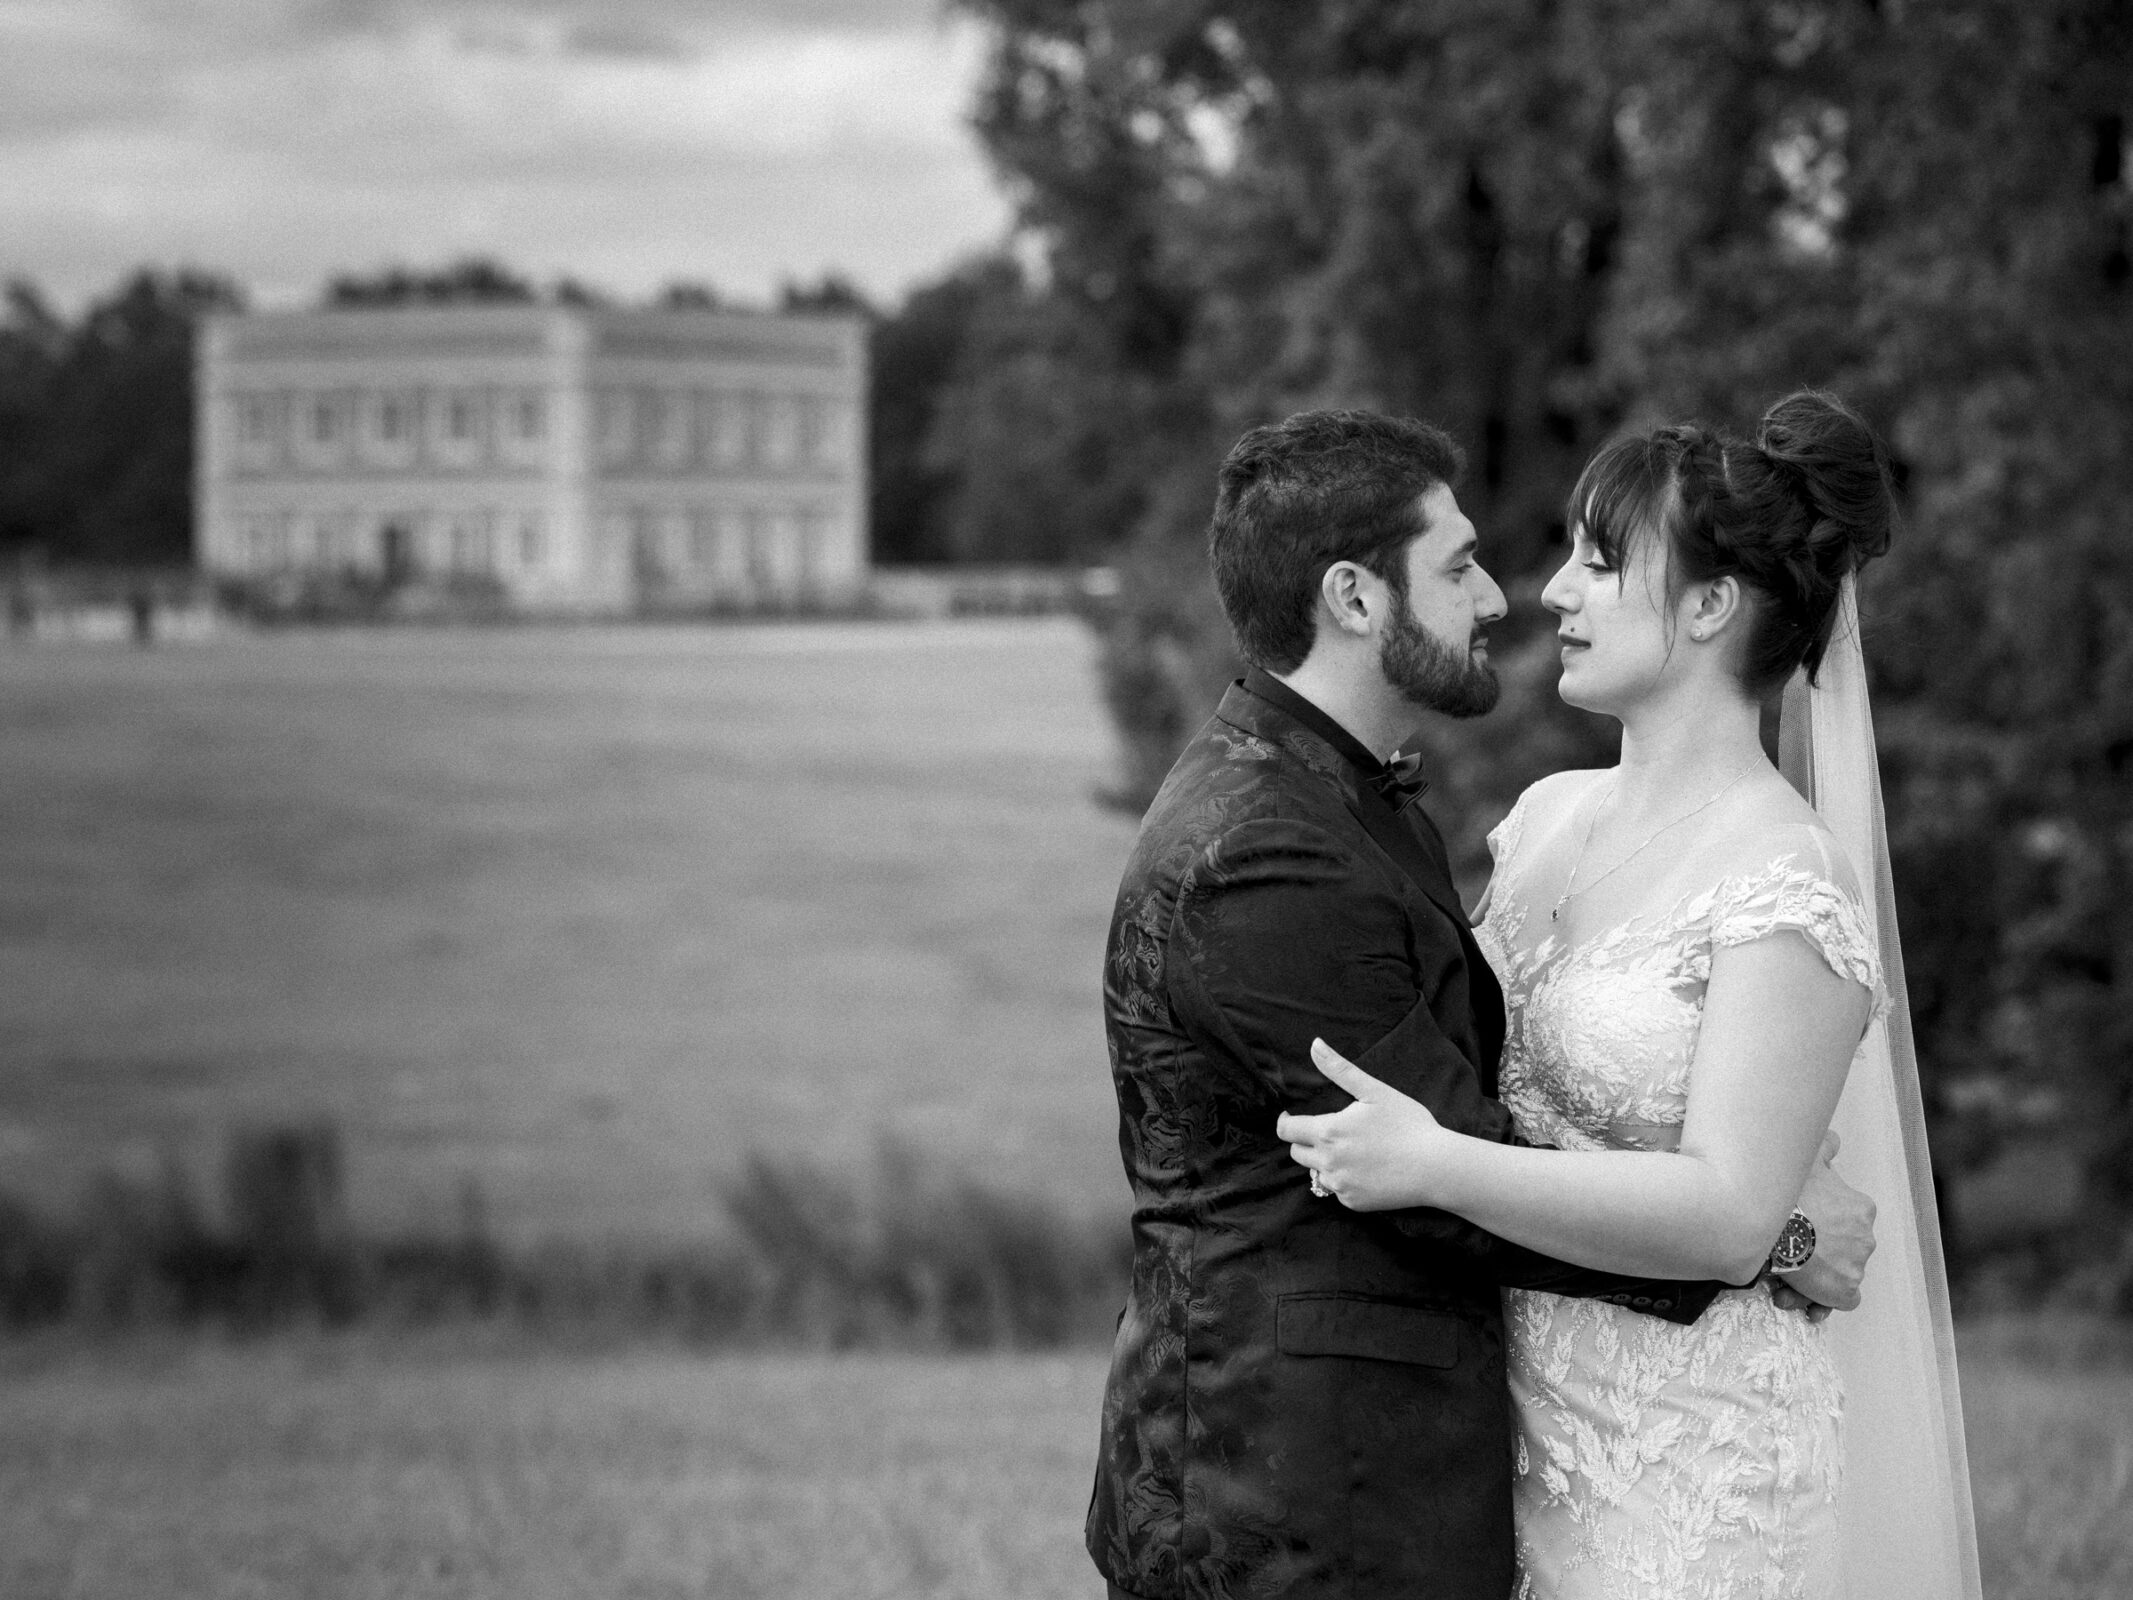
<point x="998" y="437"/>
<point x="914" y="354"/>
<point x="1538" y="221"/>
<point x="96" y="421"/>
<point x="475" y="280"/>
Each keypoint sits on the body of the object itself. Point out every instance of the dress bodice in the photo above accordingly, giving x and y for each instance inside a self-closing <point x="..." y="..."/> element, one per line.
<point x="1657" y="1462"/>
<point x="1602" y="1031"/>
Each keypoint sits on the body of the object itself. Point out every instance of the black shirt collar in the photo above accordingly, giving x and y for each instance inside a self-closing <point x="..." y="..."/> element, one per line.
<point x="1401" y="782"/>
<point x="1272" y="690"/>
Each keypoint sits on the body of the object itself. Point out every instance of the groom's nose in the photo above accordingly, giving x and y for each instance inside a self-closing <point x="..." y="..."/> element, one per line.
<point x="1492" y="605"/>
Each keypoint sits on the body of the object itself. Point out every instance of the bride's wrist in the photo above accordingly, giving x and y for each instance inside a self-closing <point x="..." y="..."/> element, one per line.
<point x="1449" y="1160"/>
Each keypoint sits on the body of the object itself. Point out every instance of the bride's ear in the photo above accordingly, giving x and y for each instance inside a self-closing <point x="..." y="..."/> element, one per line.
<point x="1714" y="607"/>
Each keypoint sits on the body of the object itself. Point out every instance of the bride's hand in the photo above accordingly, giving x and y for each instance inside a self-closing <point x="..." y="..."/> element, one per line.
<point x="1378" y="1154"/>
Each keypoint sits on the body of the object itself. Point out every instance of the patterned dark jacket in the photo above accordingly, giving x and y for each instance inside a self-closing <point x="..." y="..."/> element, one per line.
<point x="1303" y="1400"/>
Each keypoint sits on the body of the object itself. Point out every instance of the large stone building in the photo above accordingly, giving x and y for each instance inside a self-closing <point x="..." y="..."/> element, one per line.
<point x="574" y="458"/>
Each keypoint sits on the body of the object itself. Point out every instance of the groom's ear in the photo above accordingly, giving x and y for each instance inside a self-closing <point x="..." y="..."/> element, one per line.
<point x="1347" y="598"/>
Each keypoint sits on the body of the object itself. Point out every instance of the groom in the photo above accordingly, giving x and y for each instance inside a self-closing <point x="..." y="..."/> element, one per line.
<point x="1307" y="1401"/>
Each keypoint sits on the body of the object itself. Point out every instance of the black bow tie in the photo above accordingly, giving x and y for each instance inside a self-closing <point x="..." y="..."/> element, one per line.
<point x="1401" y="783"/>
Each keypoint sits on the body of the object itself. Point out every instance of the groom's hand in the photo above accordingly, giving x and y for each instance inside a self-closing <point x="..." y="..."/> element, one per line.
<point x="1843" y="1221"/>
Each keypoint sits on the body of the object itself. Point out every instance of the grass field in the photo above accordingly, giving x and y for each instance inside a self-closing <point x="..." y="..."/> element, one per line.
<point x="584" y="914"/>
<point x="360" y="1472"/>
<point x="350" y="1476"/>
<point x="587" y="915"/>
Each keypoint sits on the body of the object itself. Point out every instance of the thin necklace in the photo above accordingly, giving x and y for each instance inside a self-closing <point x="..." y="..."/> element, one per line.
<point x="1592" y="821"/>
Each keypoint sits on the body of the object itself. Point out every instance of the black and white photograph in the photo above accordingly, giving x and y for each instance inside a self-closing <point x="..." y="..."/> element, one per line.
<point x="1066" y="800"/>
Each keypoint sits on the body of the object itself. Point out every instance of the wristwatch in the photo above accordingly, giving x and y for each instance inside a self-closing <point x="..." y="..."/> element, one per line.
<point x="1795" y="1245"/>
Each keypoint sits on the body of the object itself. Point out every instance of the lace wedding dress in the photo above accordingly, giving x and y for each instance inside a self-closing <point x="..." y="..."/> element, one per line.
<point x="1658" y="1462"/>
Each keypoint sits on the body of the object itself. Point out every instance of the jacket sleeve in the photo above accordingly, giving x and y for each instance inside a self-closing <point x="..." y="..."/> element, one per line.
<point x="1282" y="933"/>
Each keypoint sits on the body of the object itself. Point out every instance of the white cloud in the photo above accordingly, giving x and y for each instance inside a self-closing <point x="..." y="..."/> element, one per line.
<point x="423" y="103"/>
<point x="285" y="141"/>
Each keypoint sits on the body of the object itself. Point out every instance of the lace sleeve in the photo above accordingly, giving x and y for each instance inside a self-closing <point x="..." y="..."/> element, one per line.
<point x="1817" y="902"/>
<point x="1503" y="838"/>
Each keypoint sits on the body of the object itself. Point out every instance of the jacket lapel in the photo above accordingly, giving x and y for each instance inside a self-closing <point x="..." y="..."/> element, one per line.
<point x="1412" y="843"/>
<point x="1409" y="838"/>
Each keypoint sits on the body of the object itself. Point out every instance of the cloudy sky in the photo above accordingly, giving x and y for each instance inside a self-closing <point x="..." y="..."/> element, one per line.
<point x="628" y="143"/>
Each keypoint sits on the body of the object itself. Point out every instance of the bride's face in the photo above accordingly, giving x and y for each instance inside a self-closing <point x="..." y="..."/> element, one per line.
<point x="1613" y="625"/>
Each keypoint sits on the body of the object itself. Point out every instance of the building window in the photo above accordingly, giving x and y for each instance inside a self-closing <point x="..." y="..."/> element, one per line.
<point x="527" y="417"/>
<point x="814" y="546"/>
<point x="470" y="545"/>
<point x="675" y="541"/>
<point x="814" y="432"/>
<point x="774" y="551"/>
<point x="781" y="432"/>
<point x="729" y="544"/>
<point x="703" y="541"/>
<point x="336" y="536"/>
<point x="762" y="552"/>
<point x="257" y="424"/>
<point x="670" y="426"/>
<point x="392" y="420"/>
<point x="268" y="539"/>
<point x="399" y="551"/>
<point x="833" y="437"/>
<point x="648" y="560"/>
<point x="532" y="547"/>
<point x="459" y="417"/>
<point x="617" y="427"/>
<point x="730" y="428"/>
<point x="325" y="420"/>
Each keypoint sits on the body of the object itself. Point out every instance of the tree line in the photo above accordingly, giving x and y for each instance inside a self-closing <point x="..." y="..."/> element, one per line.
<point x="1543" y="221"/>
<point x="96" y="412"/>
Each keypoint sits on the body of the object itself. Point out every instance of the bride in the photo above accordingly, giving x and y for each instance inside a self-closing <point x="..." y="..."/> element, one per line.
<point x="1695" y="979"/>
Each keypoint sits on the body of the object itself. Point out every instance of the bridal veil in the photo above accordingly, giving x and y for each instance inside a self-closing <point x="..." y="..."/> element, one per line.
<point x="1908" y="1528"/>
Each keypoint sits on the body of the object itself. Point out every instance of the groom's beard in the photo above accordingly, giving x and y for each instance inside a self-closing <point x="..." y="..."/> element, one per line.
<point x="1430" y="673"/>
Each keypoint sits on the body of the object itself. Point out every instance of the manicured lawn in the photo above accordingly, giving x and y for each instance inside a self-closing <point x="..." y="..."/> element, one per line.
<point x="584" y="914"/>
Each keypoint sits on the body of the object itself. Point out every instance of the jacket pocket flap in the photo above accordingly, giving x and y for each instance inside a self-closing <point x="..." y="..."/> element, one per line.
<point x="1376" y="1330"/>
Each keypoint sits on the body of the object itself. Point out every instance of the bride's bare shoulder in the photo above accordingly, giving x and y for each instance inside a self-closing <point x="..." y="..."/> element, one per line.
<point x="1558" y="794"/>
<point x="1775" y="825"/>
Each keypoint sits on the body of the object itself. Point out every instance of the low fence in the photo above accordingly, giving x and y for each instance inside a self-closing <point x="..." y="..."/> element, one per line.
<point x="117" y="607"/>
<point x="110" y="607"/>
<point x="934" y="592"/>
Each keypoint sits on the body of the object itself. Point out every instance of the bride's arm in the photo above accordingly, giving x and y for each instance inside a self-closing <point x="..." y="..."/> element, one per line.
<point x="1779" y="1028"/>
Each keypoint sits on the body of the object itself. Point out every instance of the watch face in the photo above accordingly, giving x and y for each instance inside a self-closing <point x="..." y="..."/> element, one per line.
<point x="1794" y="1245"/>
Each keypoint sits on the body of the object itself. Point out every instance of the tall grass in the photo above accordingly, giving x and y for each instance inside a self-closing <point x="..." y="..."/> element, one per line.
<point x="2048" y="1405"/>
<point x="893" y="1257"/>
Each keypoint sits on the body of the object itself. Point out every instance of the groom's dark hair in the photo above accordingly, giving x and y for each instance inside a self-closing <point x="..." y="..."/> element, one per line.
<point x="1294" y="497"/>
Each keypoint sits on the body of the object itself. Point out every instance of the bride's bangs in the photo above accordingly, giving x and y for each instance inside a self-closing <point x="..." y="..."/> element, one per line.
<point x="1619" y="498"/>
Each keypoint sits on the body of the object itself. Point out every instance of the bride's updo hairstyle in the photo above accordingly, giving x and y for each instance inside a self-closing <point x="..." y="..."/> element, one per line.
<point x="1789" y="516"/>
